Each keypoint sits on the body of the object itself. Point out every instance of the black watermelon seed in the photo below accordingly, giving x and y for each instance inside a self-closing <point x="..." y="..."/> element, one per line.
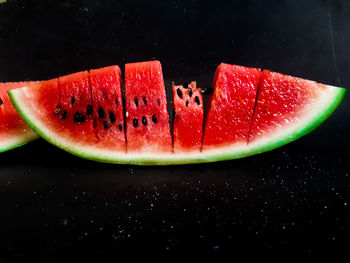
<point x="135" y="122"/>
<point x="144" y="100"/>
<point x="101" y="113"/>
<point x="154" y="118"/>
<point x="187" y="103"/>
<point x="190" y="92"/>
<point x="72" y="100"/>
<point x="207" y="91"/>
<point x="64" y="115"/>
<point x="196" y="99"/>
<point x="1" y="102"/>
<point x="136" y="102"/>
<point x="120" y="126"/>
<point x="111" y="117"/>
<point x="185" y="85"/>
<point x="89" y="110"/>
<point x="95" y="123"/>
<point x="179" y="93"/>
<point x="144" y="120"/>
<point x="105" y="125"/>
<point x="116" y="102"/>
<point x="158" y="102"/>
<point x="79" y="117"/>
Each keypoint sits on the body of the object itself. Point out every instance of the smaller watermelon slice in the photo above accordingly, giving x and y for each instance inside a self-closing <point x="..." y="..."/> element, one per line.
<point x="188" y="119"/>
<point x="14" y="132"/>
<point x="288" y="108"/>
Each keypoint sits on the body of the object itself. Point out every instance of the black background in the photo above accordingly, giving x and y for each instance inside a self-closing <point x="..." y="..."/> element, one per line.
<point x="289" y="204"/>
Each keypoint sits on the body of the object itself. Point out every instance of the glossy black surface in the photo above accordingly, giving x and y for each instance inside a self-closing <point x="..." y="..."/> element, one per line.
<point x="289" y="204"/>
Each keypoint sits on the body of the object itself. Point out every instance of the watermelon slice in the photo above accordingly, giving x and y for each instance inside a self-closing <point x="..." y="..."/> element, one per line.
<point x="14" y="132"/>
<point x="250" y="112"/>
<point x="188" y="119"/>
<point x="288" y="108"/>
<point x="147" y="118"/>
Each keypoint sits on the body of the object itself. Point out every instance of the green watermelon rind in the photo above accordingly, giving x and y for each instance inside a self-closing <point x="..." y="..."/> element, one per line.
<point x="319" y="114"/>
<point x="18" y="141"/>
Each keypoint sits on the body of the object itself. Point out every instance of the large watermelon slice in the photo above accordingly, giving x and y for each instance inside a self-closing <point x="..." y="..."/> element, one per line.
<point x="249" y="112"/>
<point x="188" y="119"/>
<point x="14" y="131"/>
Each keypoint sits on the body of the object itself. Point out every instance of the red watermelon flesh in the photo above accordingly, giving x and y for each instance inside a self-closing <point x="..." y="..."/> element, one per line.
<point x="231" y="106"/>
<point x="108" y="107"/>
<point x="147" y="118"/>
<point x="74" y="94"/>
<point x="12" y="126"/>
<point x="281" y="102"/>
<point x="10" y="121"/>
<point x="188" y="119"/>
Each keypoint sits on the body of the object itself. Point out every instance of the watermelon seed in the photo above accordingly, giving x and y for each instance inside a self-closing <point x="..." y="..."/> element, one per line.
<point x="64" y="115"/>
<point x="120" y="126"/>
<point x="89" y="110"/>
<point x="186" y="103"/>
<point x="111" y="117"/>
<point x="135" y="122"/>
<point x="158" y="102"/>
<point x="101" y="112"/>
<point x="144" y="100"/>
<point x="105" y="125"/>
<point x="179" y="93"/>
<point x="1" y="102"/>
<point x="197" y="100"/>
<point x="144" y="120"/>
<point x="79" y="117"/>
<point x="57" y="110"/>
<point x="95" y="123"/>
<point x="154" y="118"/>
<point x="190" y="92"/>
<point x="136" y="102"/>
<point x="116" y="102"/>
<point x="72" y="100"/>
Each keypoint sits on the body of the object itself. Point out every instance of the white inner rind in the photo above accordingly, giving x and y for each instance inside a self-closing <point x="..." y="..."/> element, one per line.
<point x="311" y="117"/>
<point x="16" y="139"/>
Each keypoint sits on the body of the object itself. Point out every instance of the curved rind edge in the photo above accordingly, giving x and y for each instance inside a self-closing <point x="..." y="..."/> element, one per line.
<point x="229" y="153"/>
<point x="20" y="141"/>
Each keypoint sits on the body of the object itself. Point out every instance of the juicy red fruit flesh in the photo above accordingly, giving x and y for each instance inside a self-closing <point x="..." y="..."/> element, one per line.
<point x="74" y="94"/>
<point x="147" y="118"/>
<point x="231" y="106"/>
<point x="279" y="102"/>
<point x="188" y="119"/>
<point x="107" y="107"/>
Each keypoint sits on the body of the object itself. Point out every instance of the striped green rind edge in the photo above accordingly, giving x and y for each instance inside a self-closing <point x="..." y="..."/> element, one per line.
<point x="219" y="154"/>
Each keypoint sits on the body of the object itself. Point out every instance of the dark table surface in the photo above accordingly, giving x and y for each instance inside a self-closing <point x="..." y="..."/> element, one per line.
<point x="293" y="202"/>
